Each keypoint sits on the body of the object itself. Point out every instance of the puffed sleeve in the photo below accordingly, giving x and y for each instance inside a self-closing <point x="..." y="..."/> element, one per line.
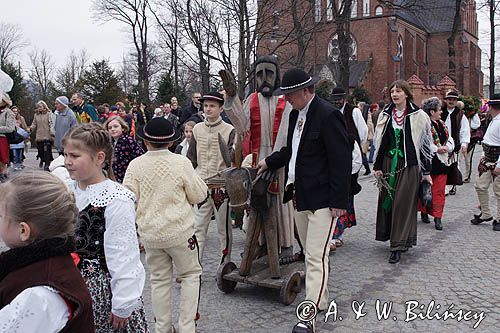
<point x="121" y="249"/>
<point x="36" y="310"/>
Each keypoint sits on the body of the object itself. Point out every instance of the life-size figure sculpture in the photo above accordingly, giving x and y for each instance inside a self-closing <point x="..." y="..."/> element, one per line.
<point x="260" y="122"/>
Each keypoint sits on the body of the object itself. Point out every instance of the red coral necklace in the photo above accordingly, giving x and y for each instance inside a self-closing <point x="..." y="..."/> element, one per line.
<point x="399" y="119"/>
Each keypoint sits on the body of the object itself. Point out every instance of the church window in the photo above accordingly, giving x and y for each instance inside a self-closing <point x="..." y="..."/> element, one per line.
<point x="400" y="47"/>
<point x="329" y="10"/>
<point x="354" y="9"/>
<point x="317" y="10"/>
<point x="366" y="7"/>
<point x="379" y="11"/>
<point x="334" y="48"/>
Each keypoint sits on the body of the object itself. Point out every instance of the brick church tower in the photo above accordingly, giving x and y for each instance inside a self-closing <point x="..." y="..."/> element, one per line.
<point x="386" y="43"/>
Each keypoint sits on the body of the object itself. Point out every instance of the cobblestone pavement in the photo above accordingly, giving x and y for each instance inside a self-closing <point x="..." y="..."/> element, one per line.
<point x="457" y="268"/>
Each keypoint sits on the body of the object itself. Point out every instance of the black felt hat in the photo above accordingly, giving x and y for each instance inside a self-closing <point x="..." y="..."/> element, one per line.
<point x="494" y="100"/>
<point x="213" y="96"/>
<point x="295" y="79"/>
<point x="159" y="130"/>
<point x="338" y="93"/>
<point x="451" y="94"/>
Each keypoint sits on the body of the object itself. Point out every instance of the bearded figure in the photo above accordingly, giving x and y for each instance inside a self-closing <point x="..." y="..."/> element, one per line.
<point x="266" y="124"/>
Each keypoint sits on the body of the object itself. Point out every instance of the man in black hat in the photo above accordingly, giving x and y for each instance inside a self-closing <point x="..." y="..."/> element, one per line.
<point x="208" y="160"/>
<point x="489" y="167"/>
<point x="166" y="187"/>
<point x="317" y="161"/>
<point x="457" y="124"/>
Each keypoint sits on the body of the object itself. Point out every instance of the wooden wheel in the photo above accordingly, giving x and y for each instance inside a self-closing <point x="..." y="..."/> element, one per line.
<point x="290" y="288"/>
<point x="226" y="286"/>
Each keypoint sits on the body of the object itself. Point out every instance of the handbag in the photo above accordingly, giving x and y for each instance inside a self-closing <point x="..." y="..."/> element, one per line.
<point x="425" y="193"/>
<point x="454" y="176"/>
<point x="14" y="137"/>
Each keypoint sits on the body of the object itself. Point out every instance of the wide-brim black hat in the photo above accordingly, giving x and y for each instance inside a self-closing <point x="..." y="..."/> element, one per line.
<point x="338" y="93"/>
<point x="295" y="79"/>
<point x="159" y="130"/>
<point x="213" y="96"/>
<point x="494" y="100"/>
<point x="451" y="94"/>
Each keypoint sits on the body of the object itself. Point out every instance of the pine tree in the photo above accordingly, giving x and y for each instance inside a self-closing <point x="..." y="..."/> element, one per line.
<point x="100" y="84"/>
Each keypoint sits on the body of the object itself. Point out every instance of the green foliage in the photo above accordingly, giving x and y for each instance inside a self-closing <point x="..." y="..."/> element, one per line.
<point x="100" y="84"/>
<point x="324" y="89"/>
<point x="19" y="93"/>
<point x="360" y="94"/>
<point x="167" y="89"/>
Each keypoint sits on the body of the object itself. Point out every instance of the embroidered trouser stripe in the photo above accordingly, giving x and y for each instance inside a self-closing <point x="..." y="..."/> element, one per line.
<point x="314" y="229"/>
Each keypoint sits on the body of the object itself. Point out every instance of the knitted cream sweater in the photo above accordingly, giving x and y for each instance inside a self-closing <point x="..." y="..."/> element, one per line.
<point x="166" y="187"/>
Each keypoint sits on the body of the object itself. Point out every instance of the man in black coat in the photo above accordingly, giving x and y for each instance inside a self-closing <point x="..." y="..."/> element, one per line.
<point x="318" y="159"/>
<point x="194" y="109"/>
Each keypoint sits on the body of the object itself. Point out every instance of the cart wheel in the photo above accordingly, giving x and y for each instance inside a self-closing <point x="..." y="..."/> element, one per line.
<point x="226" y="286"/>
<point x="290" y="288"/>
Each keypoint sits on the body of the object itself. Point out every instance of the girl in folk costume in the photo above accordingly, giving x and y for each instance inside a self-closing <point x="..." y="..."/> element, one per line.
<point x="7" y="125"/>
<point x="41" y="289"/>
<point x="183" y="147"/>
<point x="125" y="147"/>
<point x="403" y="160"/>
<point x="442" y="144"/>
<point x="105" y="233"/>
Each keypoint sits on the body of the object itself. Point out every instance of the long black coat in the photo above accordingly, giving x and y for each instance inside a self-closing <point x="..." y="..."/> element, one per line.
<point x="324" y="158"/>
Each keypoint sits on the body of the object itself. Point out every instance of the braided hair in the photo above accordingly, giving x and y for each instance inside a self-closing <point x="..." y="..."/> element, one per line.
<point x="93" y="138"/>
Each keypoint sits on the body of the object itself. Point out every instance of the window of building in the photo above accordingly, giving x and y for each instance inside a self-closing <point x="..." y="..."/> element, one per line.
<point x="366" y="7"/>
<point x="334" y="48"/>
<point x="400" y="47"/>
<point x="379" y="11"/>
<point x="276" y="20"/>
<point x="354" y="9"/>
<point x="329" y="10"/>
<point x="317" y="10"/>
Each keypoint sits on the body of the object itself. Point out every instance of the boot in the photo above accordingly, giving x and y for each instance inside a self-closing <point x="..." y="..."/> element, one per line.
<point x="425" y="218"/>
<point x="40" y="164"/>
<point x="438" y="224"/>
<point x="367" y="169"/>
<point x="496" y="225"/>
<point x="3" y="178"/>
<point x="303" y="328"/>
<point x="477" y="219"/>
<point x="395" y="256"/>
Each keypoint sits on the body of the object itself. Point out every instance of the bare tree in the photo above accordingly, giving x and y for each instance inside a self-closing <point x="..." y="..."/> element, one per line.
<point x="67" y="78"/>
<point x="134" y="14"/>
<point x="342" y="17"/>
<point x="493" y="9"/>
<point x="457" y="25"/>
<point x="42" y="71"/>
<point x="11" y="40"/>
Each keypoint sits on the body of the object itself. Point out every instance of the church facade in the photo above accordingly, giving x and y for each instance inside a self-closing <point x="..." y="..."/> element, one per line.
<point x="386" y="43"/>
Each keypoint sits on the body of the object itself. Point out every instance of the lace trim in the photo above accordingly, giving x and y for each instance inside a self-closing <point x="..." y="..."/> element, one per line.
<point x="102" y="194"/>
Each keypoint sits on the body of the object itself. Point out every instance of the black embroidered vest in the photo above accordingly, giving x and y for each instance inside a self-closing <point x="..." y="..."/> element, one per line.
<point x="89" y="233"/>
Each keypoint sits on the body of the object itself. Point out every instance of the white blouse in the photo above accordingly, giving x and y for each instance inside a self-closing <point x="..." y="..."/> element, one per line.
<point x="121" y="247"/>
<point x="36" y="310"/>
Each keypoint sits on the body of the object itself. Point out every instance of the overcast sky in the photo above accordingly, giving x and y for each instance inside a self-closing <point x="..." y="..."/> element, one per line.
<point x="60" y="26"/>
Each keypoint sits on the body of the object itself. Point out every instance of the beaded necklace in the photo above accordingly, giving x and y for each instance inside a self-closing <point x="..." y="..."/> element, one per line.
<point x="399" y="119"/>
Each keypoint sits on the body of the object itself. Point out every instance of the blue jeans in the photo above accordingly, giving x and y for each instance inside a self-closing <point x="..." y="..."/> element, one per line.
<point x="18" y="156"/>
<point x="372" y="151"/>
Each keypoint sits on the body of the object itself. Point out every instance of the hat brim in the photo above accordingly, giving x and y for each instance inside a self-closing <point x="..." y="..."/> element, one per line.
<point x="279" y="91"/>
<point x="451" y="96"/>
<point x="140" y="133"/>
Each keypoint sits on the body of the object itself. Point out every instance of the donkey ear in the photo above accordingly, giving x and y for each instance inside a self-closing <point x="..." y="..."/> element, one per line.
<point x="224" y="150"/>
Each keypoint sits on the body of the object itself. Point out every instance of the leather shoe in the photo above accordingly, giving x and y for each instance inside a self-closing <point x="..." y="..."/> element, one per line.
<point x="477" y="219"/>
<point x="496" y="225"/>
<point x="303" y="328"/>
<point x="453" y="191"/>
<point x="395" y="256"/>
<point x="425" y="218"/>
<point x="438" y="224"/>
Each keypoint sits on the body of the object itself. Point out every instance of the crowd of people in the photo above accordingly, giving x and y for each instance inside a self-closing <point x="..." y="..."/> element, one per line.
<point x="154" y="175"/>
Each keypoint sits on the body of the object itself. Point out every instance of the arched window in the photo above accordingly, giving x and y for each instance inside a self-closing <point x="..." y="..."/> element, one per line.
<point x="329" y="10"/>
<point x="379" y="11"/>
<point x="366" y="7"/>
<point x="317" y="10"/>
<point x="334" y="48"/>
<point x="354" y="8"/>
<point x="400" y="48"/>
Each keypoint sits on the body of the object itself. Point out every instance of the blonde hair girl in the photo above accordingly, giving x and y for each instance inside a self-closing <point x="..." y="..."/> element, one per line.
<point x="41" y="289"/>
<point x="106" y="236"/>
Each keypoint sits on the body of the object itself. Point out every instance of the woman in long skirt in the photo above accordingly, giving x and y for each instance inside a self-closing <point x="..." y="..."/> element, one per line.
<point x="403" y="160"/>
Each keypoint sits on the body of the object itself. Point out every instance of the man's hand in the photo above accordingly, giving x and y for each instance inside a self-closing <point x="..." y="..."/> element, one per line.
<point x="261" y="166"/>
<point x="442" y="149"/>
<point x="428" y="178"/>
<point x="378" y="173"/>
<point x="496" y="171"/>
<point x="117" y="322"/>
<point x="337" y="212"/>
<point x="463" y="149"/>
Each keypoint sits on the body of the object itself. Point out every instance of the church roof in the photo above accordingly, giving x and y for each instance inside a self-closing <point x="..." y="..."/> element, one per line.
<point x="433" y="16"/>
<point x="357" y="71"/>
